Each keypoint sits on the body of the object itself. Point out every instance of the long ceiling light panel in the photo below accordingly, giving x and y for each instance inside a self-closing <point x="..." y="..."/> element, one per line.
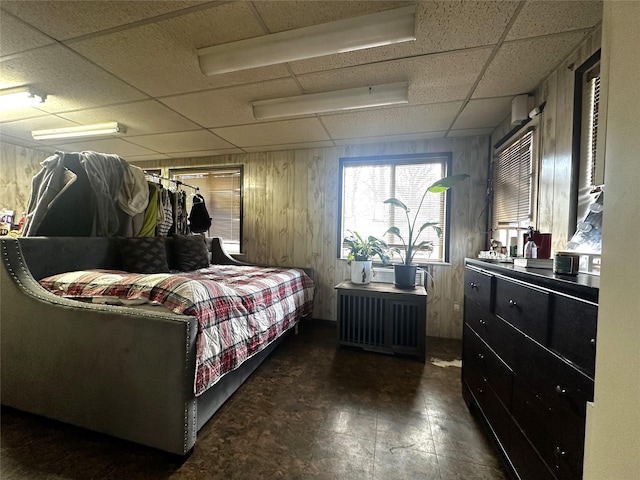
<point x="366" y="31"/>
<point x="95" y="130"/>
<point x="363" y="97"/>
<point x="19" y="97"/>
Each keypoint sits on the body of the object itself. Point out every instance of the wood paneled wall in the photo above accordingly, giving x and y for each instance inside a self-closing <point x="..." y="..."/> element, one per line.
<point x="556" y="137"/>
<point x="18" y="165"/>
<point x="291" y="214"/>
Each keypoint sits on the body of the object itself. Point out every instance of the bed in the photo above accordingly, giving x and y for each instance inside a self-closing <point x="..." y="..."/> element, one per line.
<point x="156" y="366"/>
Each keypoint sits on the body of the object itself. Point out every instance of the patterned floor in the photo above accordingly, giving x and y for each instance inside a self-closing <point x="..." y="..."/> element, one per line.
<point x="310" y="411"/>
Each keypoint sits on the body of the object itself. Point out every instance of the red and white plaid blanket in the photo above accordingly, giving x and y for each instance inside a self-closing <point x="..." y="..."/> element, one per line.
<point x="240" y="309"/>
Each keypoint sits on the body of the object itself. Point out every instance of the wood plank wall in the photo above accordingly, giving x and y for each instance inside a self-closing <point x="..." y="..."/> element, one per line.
<point x="291" y="214"/>
<point x="18" y="165"/>
<point x="554" y="187"/>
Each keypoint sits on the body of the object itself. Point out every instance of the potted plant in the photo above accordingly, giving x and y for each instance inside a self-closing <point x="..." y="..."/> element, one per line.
<point x="405" y="272"/>
<point x="361" y="253"/>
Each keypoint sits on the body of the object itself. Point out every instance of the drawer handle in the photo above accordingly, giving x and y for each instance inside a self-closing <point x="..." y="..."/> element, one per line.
<point x="560" y="453"/>
<point x="481" y="356"/>
<point x="560" y="390"/>
<point x="513" y="303"/>
<point x="482" y="322"/>
<point x="473" y="285"/>
<point x="592" y="342"/>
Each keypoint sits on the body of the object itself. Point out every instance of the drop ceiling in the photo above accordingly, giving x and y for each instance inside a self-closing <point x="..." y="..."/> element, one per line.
<point x="135" y="62"/>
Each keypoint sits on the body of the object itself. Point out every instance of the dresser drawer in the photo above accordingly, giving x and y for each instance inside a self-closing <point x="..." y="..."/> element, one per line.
<point x="502" y="337"/>
<point x="477" y="354"/>
<point x="558" y="438"/>
<point x="494" y="412"/>
<point x="573" y="331"/>
<point x="477" y="288"/>
<point x="559" y="384"/>
<point x="524" y="457"/>
<point x="524" y="307"/>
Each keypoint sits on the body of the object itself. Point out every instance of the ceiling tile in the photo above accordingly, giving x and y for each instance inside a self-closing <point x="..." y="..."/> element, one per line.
<point x="482" y="113"/>
<point x="23" y="128"/>
<point x="392" y="138"/>
<point x="16" y="36"/>
<point x="206" y="153"/>
<point x="521" y="65"/>
<point x="145" y="158"/>
<point x="229" y="106"/>
<point x="107" y="145"/>
<point x="289" y="146"/>
<point x="391" y="121"/>
<point x="20" y="114"/>
<point x="274" y="133"/>
<point x="442" y="26"/>
<point x="181" y="141"/>
<point x="432" y="79"/>
<point x="68" y="19"/>
<point x="549" y="17"/>
<point x="160" y="59"/>
<point x="70" y="81"/>
<point x="140" y="118"/>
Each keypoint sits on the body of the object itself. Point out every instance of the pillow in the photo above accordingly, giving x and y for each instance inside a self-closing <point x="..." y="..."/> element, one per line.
<point x="143" y="254"/>
<point x="190" y="252"/>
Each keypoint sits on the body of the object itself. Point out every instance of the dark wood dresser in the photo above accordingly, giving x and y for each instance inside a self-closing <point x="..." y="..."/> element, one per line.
<point x="528" y="363"/>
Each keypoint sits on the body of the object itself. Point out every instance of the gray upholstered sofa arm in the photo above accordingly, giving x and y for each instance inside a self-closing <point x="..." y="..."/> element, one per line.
<point x="110" y="369"/>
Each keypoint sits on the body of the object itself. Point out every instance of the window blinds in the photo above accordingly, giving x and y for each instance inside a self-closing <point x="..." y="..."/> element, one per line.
<point x="512" y="183"/>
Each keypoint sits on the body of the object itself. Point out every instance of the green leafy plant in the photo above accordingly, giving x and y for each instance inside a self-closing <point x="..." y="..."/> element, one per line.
<point x="362" y="250"/>
<point x="413" y="244"/>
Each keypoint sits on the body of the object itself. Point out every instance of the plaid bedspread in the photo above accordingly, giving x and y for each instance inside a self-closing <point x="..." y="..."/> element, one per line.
<point x="240" y="309"/>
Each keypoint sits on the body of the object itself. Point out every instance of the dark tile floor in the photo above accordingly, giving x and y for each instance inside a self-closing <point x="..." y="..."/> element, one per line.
<point x="310" y="411"/>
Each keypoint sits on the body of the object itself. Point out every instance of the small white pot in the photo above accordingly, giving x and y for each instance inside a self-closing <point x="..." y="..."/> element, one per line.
<point x="361" y="272"/>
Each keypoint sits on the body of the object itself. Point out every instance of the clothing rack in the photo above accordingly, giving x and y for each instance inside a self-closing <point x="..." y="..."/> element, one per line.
<point x="177" y="182"/>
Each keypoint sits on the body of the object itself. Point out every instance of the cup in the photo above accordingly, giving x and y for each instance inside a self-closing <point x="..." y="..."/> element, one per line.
<point x="566" y="263"/>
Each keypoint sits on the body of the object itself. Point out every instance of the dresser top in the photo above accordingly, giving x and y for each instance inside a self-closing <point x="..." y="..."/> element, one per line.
<point x="583" y="285"/>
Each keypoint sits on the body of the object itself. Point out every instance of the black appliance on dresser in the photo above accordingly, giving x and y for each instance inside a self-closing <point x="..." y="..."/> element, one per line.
<point x="528" y="363"/>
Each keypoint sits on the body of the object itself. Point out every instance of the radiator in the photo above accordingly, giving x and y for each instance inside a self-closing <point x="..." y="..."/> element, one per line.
<point x="382" y="318"/>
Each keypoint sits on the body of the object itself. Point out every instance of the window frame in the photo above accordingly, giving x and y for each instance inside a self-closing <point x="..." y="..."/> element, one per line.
<point x="578" y="156"/>
<point x="505" y="233"/>
<point x="212" y="168"/>
<point x="445" y="158"/>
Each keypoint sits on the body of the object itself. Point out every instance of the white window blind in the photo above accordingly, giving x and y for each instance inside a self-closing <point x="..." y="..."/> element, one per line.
<point x="221" y="188"/>
<point x="594" y="95"/>
<point x="365" y="187"/>
<point x="512" y="181"/>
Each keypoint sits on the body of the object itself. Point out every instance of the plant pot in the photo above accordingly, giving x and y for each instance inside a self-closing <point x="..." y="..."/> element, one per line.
<point x="405" y="275"/>
<point x="361" y="271"/>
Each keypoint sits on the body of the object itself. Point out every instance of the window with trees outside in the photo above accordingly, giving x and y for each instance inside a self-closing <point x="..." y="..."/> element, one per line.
<point x="366" y="182"/>
<point x="221" y="188"/>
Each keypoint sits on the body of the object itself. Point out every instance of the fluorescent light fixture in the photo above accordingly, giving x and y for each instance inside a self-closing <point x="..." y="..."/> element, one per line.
<point x="366" y="31"/>
<point x="95" y="130"/>
<point x="362" y="97"/>
<point x="19" y="97"/>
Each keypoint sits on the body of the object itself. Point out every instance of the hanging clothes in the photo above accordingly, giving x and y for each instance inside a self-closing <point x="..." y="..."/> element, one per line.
<point x="62" y="201"/>
<point x="164" y="204"/>
<point x="105" y="173"/>
<point x="151" y="213"/>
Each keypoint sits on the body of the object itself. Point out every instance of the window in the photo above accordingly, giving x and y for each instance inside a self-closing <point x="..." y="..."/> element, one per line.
<point x="513" y="192"/>
<point x="367" y="182"/>
<point x="588" y="161"/>
<point x="221" y="188"/>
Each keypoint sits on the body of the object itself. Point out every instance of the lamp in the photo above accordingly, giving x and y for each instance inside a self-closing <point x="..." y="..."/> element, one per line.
<point x="94" y="130"/>
<point x="366" y="31"/>
<point x="19" y="97"/>
<point x="362" y="97"/>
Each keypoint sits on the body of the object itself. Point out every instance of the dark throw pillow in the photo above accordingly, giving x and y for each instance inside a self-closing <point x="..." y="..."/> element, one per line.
<point x="190" y="252"/>
<point x="143" y="254"/>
